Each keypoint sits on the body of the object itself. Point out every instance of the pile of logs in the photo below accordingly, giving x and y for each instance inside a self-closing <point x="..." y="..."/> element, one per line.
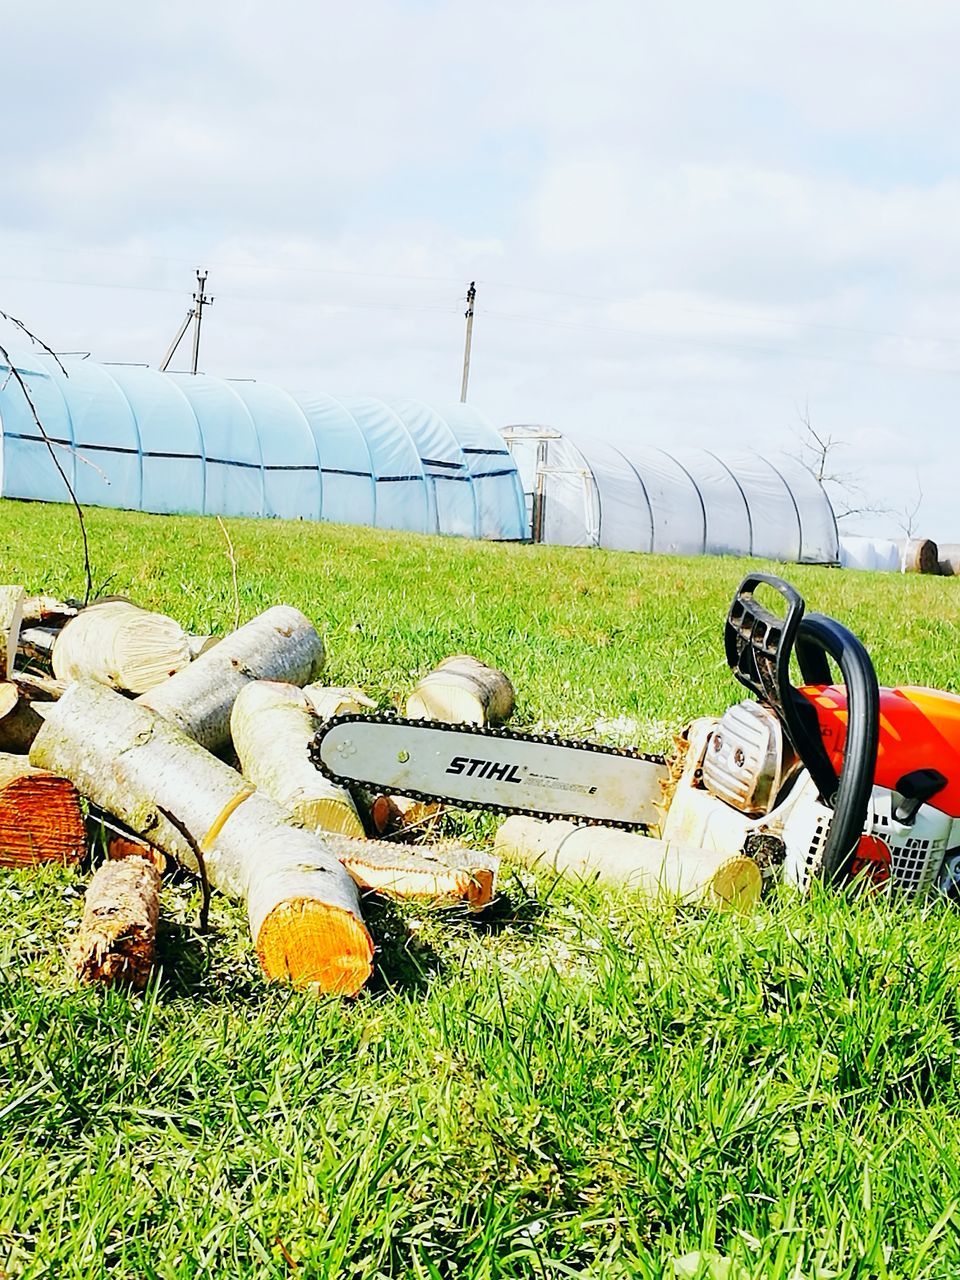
<point x="192" y="752"/>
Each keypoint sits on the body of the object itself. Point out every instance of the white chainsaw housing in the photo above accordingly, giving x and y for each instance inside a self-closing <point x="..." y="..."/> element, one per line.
<point x="728" y="794"/>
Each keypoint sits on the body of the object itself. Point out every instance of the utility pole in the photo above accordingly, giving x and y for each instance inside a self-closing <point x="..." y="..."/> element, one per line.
<point x="471" y="295"/>
<point x="201" y="300"/>
<point x="195" y="314"/>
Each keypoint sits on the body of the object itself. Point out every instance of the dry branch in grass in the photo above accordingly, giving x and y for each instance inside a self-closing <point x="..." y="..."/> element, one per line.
<point x="116" y="938"/>
<point x="655" y="868"/>
<point x="462" y="690"/>
<point x="40" y="816"/>
<point x="302" y="906"/>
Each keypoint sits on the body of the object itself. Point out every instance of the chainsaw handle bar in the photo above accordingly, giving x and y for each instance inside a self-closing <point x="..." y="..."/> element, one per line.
<point x="759" y="645"/>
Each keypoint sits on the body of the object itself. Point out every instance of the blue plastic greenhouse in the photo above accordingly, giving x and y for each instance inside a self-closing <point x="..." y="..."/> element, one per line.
<point x="129" y="436"/>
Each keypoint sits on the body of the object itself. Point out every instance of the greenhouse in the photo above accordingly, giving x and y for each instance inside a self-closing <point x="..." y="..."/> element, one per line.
<point x="686" y="501"/>
<point x="129" y="436"/>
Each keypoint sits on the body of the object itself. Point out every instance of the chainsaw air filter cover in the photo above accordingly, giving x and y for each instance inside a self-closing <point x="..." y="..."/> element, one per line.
<point x="747" y="760"/>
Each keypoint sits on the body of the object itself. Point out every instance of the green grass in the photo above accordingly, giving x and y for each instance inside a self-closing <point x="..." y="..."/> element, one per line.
<point x="572" y="1086"/>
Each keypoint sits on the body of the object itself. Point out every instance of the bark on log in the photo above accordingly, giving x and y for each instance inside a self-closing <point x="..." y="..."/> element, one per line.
<point x="656" y="869"/>
<point x="273" y="726"/>
<point x="918" y="555"/>
<point x="47" y="609"/>
<point x="462" y="690"/>
<point x="438" y="875"/>
<point x="400" y="815"/>
<point x="280" y="644"/>
<point x="120" y="645"/>
<point x="302" y="906"/>
<point x="20" y="725"/>
<point x="11" y="615"/>
<point x="336" y="700"/>
<point x="116" y="939"/>
<point x="40" y="816"/>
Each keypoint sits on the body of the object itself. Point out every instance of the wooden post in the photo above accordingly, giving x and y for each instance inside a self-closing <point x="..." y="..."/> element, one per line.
<point x="302" y="906"/>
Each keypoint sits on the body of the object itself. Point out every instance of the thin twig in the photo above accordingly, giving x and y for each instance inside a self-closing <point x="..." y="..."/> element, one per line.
<point x="201" y="864"/>
<point x="18" y="377"/>
<point x="233" y="570"/>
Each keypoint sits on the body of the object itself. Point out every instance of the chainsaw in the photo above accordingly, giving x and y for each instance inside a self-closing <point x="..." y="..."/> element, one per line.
<point x="818" y="779"/>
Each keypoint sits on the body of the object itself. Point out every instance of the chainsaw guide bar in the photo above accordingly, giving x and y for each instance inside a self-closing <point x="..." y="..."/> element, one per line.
<point x="541" y="775"/>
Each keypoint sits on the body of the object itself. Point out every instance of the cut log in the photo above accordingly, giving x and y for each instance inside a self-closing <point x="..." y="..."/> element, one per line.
<point x="120" y="645"/>
<point x="47" y="609"/>
<point x="11" y="615"/>
<point x="658" y="870"/>
<point x="117" y="935"/>
<point x="949" y="559"/>
<point x="280" y="644"/>
<point x="400" y="815"/>
<point x="9" y="697"/>
<point x="36" y="645"/>
<point x="462" y="690"/>
<point x="21" y="724"/>
<point x="918" y="555"/>
<point x="437" y="875"/>
<point x="40" y="816"/>
<point x="273" y="726"/>
<point x="302" y="906"/>
<point x="336" y="700"/>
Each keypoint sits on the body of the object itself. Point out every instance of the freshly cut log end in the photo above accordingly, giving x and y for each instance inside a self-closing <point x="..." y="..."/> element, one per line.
<point x="304" y="942"/>
<point x="116" y="940"/>
<point x="438" y="875"/>
<point x="400" y="815"/>
<point x="121" y="645"/>
<point x="40" y="816"/>
<point x="9" y="697"/>
<point x="334" y="813"/>
<point x="657" y="869"/>
<point x="328" y="701"/>
<point x="462" y="690"/>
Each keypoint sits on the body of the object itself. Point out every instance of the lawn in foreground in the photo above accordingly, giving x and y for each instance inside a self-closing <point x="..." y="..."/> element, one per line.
<point x="571" y="1086"/>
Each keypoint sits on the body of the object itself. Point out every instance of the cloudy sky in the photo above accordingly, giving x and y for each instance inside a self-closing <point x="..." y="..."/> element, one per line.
<point x="689" y="222"/>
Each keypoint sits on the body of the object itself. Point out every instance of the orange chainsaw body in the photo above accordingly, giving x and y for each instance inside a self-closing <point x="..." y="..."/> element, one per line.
<point x="919" y="729"/>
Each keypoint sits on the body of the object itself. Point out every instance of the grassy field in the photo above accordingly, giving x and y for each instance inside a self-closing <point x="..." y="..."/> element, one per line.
<point x="570" y="1086"/>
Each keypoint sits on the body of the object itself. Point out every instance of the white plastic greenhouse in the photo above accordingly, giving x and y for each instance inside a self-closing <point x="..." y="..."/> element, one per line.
<point x="129" y="436"/>
<point x="684" y="502"/>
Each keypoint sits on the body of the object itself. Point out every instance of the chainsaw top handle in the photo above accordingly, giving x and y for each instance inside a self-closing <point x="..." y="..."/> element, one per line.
<point x="759" y="645"/>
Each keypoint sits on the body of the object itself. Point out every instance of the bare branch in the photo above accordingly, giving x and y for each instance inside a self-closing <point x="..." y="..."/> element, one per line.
<point x="21" y="383"/>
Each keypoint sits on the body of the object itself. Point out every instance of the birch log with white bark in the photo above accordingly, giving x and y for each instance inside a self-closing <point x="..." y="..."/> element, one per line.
<point x="462" y="690"/>
<point x="280" y="644"/>
<point x="40" y="816"/>
<point x="121" y="645"/>
<point x="11" y="615"/>
<point x="116" y="939"/>
<point x="302" y="906"/>
<point x="657" y="869"/>
<point x="272" y="726"/>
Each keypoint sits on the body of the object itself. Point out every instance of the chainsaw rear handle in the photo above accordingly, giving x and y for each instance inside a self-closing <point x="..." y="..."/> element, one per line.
<point x="818" y="636"/>
<point x="759" y="645"/>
